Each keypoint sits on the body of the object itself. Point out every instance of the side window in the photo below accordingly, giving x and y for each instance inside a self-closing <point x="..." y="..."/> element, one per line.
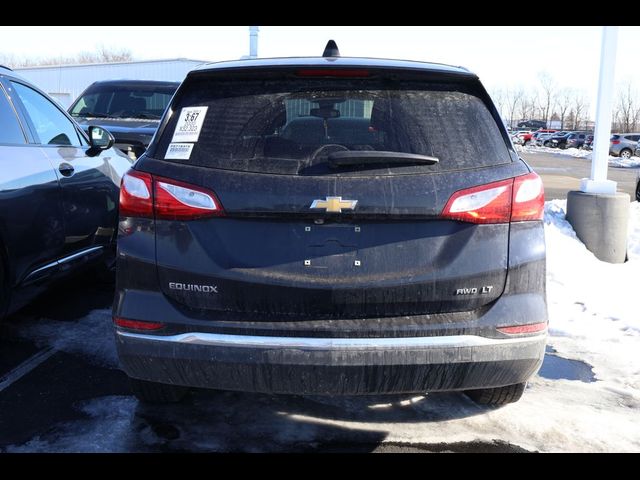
<point x="52" y="127"/>
<point x="10" y="132"/>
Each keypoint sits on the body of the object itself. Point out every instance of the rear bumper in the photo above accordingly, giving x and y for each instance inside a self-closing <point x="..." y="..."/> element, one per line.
<point x="348" y="366"/>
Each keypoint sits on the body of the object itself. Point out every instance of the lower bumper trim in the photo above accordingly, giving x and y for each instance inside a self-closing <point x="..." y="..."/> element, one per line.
<point x="311" y="343"/>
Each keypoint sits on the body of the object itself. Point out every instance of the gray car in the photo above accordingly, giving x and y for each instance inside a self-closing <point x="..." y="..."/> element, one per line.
<point x="623" y="144"/>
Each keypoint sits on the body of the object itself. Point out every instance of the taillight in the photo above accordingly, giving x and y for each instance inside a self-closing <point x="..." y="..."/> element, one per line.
<point x="615" y="142"/>
<point x="137" y="324"/>
<point x="135" y="195"/>
<point x="489" y="203"/>
<point x="143" y="195"/>
<point x="514" y="200"/>
<point x="180" y="201"/>
<point x="520" y="329"/>
<point x="528" y="198"/>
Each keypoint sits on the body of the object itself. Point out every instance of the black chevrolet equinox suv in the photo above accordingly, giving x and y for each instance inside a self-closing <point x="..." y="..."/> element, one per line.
<point x="331" y="225"/>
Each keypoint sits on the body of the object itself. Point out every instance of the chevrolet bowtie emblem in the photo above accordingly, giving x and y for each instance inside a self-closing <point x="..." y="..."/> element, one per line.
<point x="334" y="204"/>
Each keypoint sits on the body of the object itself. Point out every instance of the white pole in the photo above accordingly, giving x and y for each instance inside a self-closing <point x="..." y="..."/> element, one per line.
<point x="598" y="182"/>
<point x="253" y="42"/>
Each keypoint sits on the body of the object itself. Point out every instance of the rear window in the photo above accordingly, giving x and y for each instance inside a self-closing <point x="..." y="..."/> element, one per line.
<point x="122" y="101"/>
<point x="290" y="126"/>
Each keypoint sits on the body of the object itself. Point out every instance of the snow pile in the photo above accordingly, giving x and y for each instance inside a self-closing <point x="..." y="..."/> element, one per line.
<point x="107" y="429"/>
<point x="633" y="162"/>
<point x="92" y="336"/>
<point x="592" y="304"/>
<point x="573" y="152"/>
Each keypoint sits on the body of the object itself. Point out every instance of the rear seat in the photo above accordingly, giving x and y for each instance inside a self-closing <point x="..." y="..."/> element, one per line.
<point x="344" y="130"/>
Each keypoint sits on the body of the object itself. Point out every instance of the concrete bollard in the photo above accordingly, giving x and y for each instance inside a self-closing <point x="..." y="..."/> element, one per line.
<point x="600" y="222"/>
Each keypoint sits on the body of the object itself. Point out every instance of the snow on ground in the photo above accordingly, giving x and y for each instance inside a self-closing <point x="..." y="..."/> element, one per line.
<point x="91" y="336"/>
<point x="593" y="318"/>
<point x="633" y="162"/>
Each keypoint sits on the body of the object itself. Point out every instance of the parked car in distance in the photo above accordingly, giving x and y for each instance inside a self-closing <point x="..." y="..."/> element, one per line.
<point x="518" y="136"/>
<point x="257" y="250"/>
<point x="129" y="109"/>
<point x="59" y="193"/>
<point x="543" y="139"/>
<point x="530" y="137"/>
<point x="575" y="140"/>
<point x="623" y="144"/>
<point x="533" y="124"/>
<point x="588" y="142"/>
<point x="558" y="138"/>
<point x="533" y="137"/>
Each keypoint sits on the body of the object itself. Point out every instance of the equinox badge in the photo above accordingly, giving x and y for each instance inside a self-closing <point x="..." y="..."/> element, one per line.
<point x="191" y="287"/>
<point x="334" y="204"/>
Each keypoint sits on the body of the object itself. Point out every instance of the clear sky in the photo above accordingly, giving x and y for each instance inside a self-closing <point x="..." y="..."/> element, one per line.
<point x="501" y="56"/>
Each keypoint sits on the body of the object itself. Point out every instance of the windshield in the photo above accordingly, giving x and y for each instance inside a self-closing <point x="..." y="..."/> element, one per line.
<point x="293" y="126"/>
<point x="145" y="102"/>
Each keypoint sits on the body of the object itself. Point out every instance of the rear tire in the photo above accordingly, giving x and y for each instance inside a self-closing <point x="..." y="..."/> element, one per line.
<point x="497" y="396"/>
<point x="625" y="153"/>
<point x="152" y="392"/>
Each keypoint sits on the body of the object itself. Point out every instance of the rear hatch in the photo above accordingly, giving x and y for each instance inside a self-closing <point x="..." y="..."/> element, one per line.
<point x="331" y="186"/>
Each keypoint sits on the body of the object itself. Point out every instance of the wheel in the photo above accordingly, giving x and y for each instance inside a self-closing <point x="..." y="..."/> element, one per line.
<point x="625" y="153"/>
<point x="152" y="392"/>
<point x="497" y="396"/>
<point x="545" y="144"/>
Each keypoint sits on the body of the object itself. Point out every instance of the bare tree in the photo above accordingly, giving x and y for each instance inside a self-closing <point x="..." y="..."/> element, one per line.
<point x="627" y="112"/>
<point x="563" y="103"/>
<point x="513" y="99"/>
<point x="499" y="99"/>
<point x="102" y="55"/>
<point x="547" y="96"/>
<point x="527" y="106"/>
<point x="579" y="108"/>
<point x="111" y="54"/>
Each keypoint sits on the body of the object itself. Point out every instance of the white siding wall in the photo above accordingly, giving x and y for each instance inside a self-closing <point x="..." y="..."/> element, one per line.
<point x="65" y="83"/>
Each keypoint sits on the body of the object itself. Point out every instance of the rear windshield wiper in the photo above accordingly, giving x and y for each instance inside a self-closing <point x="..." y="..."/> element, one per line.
<point x="91" y="114"/>
<point x="367" y="157"/>
<point x="146" y="115"/>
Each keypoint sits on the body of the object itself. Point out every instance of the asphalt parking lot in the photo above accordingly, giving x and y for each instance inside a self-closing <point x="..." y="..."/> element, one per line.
<point x="561" y="173"/>
<point x="61" y="391"/>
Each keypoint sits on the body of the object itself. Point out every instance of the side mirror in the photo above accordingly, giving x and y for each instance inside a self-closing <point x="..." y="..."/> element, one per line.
<point x="99" y="139"/>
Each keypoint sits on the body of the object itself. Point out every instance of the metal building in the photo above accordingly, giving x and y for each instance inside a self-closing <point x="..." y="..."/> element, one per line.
<point x="66" y="82"/>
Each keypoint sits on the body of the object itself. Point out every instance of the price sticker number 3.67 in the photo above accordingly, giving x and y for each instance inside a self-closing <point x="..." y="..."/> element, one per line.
<point x="189" y="124"/>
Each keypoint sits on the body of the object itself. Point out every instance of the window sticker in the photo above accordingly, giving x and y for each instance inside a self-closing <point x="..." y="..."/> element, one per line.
<point x="189" y="124"/>
<point x="179" y="151"/>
